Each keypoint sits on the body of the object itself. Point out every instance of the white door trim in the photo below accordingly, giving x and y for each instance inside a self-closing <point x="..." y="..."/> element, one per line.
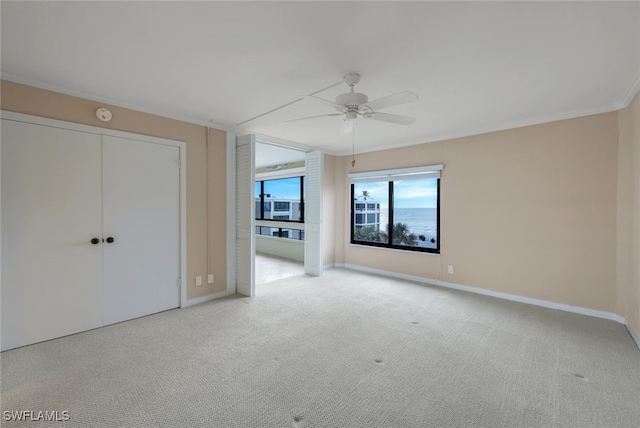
<point x="37" y="120"/>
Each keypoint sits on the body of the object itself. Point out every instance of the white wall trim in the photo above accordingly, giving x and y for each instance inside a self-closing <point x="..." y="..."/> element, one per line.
<point x="328" y="266"/>
<point x="183" y="223"/>
<point x="500" y="295"/>
<point x="634" y="334"/>
<point x="231" y="212"/>
<point x="0" y="229"/>
<point x="207" y="298"/>
<point x="631" y="93"/>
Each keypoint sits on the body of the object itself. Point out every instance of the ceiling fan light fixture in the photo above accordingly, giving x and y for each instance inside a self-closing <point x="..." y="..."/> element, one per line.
<point x="352" y="99"/>
<point x="353" y="104"/>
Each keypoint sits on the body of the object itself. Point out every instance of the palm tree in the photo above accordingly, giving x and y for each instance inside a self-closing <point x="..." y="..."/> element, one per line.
<point x="365" y="194"/>
<point x="367" y="233"/>
<point x="401" y="235"/>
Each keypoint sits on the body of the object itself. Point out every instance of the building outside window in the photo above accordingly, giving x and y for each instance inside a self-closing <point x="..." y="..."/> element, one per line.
<point x="367" y="215"/>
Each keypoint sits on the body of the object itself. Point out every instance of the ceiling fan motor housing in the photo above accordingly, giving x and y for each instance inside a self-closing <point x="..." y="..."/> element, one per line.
<point x="352" y="100"/>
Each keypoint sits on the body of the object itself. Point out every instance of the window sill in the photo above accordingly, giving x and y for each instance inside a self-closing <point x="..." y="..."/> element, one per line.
<point x="394" y="249"/>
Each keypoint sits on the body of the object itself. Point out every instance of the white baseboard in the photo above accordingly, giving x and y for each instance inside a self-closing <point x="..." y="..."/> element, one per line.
<point x="500" y="295"/>
<point x="329" y="266"/>
<point x="634" y="334"/>
<point x="208" y="297"/>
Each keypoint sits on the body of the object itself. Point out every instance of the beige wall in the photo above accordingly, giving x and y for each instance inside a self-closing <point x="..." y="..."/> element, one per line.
<point x="539" y="211"/>
<point x="628" y="267"/>
<point x="216" y="212"/>
<point x="28" y="100"/>
<point x="528" y="211"/>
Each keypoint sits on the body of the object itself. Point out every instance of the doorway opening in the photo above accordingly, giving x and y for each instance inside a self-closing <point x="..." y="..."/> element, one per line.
<point x="279" y="212"/>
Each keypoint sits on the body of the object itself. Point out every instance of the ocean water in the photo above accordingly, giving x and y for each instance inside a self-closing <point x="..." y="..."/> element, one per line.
<point x="421" y="221"/>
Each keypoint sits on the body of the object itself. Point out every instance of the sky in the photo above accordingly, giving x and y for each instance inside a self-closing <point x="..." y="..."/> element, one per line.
<point x="407" y="193"/>
<point x="285" y="188"/>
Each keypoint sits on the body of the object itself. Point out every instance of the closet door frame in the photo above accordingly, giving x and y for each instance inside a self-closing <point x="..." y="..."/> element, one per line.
<point x="36" y="120"/>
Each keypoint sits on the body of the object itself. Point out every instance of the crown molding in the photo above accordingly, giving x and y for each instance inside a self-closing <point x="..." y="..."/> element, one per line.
<point x="16" y="78"/>
<point x="629" y="96"/>
<point x="486" y="130"/>
<point x="631" y="93"/>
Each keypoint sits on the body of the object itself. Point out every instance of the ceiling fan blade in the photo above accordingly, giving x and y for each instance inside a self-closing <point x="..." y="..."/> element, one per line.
<point x="314" y="117"/>
<point x="347" y="126"/>
<point x="327" y="102"/>
<point x="392" y="100"/>
<point x="393" y="118"/>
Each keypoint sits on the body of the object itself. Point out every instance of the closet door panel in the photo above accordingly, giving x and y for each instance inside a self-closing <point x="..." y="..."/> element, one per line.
<point x="141" y="197"/>
<point x="51" y="209"/>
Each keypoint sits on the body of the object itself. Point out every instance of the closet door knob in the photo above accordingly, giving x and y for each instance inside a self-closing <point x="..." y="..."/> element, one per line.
<point x="110" y="240"/>
<point x="95" y="241"/>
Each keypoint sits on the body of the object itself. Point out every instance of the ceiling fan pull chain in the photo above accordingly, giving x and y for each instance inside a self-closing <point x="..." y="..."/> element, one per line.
<point x="353" y="145"/>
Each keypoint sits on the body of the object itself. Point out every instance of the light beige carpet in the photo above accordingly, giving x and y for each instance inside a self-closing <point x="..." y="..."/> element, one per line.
<point x="344" y="350"/>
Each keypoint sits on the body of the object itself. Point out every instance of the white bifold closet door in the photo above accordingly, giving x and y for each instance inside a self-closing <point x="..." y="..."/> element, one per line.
<point x="51" y="209"/>
<point x="141" y="200"/>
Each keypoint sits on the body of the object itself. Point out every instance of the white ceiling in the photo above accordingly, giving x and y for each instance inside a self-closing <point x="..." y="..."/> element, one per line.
<point x="476" y="66"/>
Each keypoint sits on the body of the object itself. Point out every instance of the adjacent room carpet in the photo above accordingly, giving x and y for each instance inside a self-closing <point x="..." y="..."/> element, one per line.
<point x="344" y="350"/>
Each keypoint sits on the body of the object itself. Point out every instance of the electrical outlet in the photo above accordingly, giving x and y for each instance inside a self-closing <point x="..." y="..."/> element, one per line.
<point x="198" y="281"/>
<point x="210" y="278"/>
<point x="450" y="269"/>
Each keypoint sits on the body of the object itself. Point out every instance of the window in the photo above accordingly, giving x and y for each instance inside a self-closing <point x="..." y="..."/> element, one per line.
<point x="402" y="209"/>
<point x="280" y="206"/>
<point x="279" y="232"/>
<point x="276" y="197"/>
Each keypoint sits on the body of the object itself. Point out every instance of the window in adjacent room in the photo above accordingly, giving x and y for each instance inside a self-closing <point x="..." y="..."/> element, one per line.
<point x="280" y="199"/>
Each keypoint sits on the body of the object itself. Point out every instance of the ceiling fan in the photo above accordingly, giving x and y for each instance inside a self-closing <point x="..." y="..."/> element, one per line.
<point x="353" y="104"/>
